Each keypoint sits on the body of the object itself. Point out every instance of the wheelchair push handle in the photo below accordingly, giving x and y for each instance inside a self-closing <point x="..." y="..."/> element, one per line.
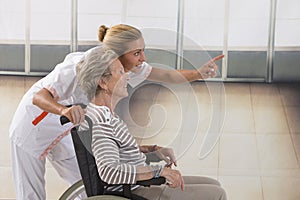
<point x="64" y="120"/>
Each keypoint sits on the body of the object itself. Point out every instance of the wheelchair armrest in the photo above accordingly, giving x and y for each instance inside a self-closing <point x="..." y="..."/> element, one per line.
<point x="154" y="181"/>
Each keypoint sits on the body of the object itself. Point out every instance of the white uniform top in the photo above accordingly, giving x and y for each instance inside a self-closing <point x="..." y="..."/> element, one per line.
<point x="62" y="83"/>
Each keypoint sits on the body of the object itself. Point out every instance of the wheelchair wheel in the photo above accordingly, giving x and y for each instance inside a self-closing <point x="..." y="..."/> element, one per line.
<point x="106" y="197"/>
<point x="77" y="192"/>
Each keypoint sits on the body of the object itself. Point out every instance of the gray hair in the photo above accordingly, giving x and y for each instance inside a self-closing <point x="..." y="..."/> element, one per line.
<point x="92" y="68"/>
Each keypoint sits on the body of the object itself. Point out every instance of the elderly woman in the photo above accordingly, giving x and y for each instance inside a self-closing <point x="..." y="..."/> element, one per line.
<point x="118" y="157"/>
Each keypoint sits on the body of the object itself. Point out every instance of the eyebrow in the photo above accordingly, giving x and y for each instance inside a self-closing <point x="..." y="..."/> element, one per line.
<point x="138" y="49"/>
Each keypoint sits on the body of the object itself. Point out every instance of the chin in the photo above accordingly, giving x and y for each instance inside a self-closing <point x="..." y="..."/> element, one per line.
<point x="123" y="95"/>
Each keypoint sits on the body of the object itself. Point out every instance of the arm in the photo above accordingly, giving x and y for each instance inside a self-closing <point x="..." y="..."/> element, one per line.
<point x="112" y="171"/>
<point x="173" y="177"/>
<point x="208" y="70"/>
<point x="44" y="100"/>
<point x="110" y="168"/>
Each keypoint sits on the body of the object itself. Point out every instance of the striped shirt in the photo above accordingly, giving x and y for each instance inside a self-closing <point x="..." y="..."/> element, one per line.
<point x="116" y="151"/>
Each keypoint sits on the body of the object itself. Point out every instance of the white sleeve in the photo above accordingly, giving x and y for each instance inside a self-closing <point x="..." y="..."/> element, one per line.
<point x="139" y="75"/>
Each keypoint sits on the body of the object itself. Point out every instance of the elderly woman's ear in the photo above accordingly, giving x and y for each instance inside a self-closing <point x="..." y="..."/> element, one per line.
<point x="103" y="84"/>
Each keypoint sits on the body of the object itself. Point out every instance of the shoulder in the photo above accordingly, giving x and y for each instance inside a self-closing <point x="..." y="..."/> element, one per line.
<point x="67" y="68"/>
<point x="100" y="117"/>
<point x="74" y="57"/>
<point x="98" y="114"/>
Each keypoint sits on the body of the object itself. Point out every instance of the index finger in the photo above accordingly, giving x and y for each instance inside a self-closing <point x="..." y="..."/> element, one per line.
<point x="217" y="58"/>
<point x="182" y="184"/>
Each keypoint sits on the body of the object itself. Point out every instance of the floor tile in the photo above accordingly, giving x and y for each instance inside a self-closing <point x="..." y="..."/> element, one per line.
<point x="276" y="152"/>
<point x="296" y="141"/>
<point x="209" y="92"/>
<point x="238" y="95"/>
<point x="14" y="86"/>
<point x="238" y="152"/>
<point x="290" y="93"/>
<point x="171" y="116"/>
<point x="239" y="121"/>
<point x="293" y="117"/>
<point x="242" y="187"/>
<point x="279" y="173"/>
<point x="281" y="188"/>
<point x="265" y="94"/>
<point x="190" y="154"/>
<point x="271" y="119"/>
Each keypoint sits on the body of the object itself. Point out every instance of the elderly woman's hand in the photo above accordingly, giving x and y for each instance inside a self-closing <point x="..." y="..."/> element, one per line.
<point x="173" y="177"/>
<point x="166" y="154"/>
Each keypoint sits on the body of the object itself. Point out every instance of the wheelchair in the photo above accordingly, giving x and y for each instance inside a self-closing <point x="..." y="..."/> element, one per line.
<point x="91" y="187"/>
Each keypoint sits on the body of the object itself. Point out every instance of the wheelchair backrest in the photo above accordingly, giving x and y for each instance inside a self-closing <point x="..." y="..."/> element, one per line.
<point x="88" y="169"/>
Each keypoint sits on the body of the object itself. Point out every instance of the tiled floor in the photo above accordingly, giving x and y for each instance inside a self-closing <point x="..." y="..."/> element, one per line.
<point x="256" y="156"/>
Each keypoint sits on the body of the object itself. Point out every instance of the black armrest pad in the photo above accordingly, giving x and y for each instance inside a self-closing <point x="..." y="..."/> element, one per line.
<point x="153" y="181"/>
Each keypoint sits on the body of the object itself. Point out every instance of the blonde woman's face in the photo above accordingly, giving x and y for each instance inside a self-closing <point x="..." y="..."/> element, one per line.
<point x="134" y="58"/>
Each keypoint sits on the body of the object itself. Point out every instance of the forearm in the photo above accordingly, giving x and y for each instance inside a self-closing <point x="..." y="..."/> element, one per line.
<point x="189" y="75"/>
<point x="44" y="100"/>
<point x="173" y="76"/>
<point x="144" y="173"/>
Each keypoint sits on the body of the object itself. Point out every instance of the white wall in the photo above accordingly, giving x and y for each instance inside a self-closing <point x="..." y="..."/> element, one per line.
<point x="248" y="23"/>
<point x="12" y="20"/>
<point x="203" y="23"/>
<point x="288" y="23"/>
<point x="213" y="25"/>
<point x="50" y="20"/>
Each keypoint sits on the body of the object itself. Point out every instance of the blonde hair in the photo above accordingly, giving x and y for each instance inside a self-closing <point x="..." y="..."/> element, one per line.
<point x="118" y="37"/>
<point x="95" y="66"/>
